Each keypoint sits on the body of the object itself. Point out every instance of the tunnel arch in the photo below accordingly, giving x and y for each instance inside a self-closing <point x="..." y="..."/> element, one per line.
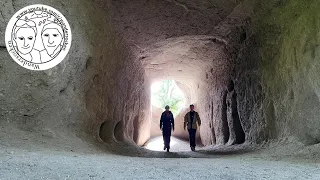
<point x="201" y="64"/>
<point x="215" y="58"/>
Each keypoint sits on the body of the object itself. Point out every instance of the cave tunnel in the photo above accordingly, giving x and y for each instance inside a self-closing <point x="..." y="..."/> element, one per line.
<point x="250" y="67"/>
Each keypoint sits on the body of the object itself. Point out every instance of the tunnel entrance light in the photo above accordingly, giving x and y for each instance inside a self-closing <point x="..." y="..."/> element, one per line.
<point x="176" y="145"/>
<point x="167" y="93"/>
<point x="156" y="144"/>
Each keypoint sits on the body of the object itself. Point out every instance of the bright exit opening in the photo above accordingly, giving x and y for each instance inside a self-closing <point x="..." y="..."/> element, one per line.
<point x="167" y="93"/>
<point x="164" y="93"/>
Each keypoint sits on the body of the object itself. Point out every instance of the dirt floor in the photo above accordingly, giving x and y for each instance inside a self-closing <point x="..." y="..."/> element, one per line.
<point x="19" y="164"/>
<point x="43" y="157"/>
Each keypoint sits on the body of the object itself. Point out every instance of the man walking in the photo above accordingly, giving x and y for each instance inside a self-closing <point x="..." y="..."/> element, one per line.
<point x="166" y="124"/>
<point x="192" y="120"/>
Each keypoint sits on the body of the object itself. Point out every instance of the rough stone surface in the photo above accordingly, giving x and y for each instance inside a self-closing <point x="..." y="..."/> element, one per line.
<point x="155" y="121"/>
<point x="100" y="93"/>
<point x="289" y="39"/>
<point x="90" y="89"/>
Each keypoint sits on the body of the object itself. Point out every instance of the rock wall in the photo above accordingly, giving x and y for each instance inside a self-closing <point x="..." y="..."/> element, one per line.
<point x="155" y="121"/>
<point x="236" y="64"/>
<point x="274" y="64"/>
<point x="275" y="70"/>
<point x="97" y="85"/>
<point x="289" y="38"/>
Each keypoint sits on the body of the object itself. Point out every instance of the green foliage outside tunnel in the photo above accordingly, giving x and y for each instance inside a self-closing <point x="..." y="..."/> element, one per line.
<point x="167" y="93"/>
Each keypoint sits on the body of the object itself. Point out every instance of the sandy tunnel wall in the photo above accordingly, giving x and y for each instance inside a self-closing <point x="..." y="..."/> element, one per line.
<point x="236" y="64"/>
<point x="275" y="71"/>
<point x="97" y="83"/>
<point x="289" y="38"/>
<point x="275" y="67"/>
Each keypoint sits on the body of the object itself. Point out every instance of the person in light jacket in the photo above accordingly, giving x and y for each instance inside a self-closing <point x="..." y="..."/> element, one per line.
<point x="192" y="121"/>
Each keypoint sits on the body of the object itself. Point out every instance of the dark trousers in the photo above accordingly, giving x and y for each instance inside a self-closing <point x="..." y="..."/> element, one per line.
<point x="166" y="137"/>
<point x="192" y="137"/>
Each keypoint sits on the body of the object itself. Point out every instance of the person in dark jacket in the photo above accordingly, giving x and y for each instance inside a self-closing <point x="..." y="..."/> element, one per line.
<point x="166" y="125"/>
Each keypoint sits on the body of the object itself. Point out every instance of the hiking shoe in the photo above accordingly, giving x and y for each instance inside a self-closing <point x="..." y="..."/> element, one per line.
<point x="193" y="149"/>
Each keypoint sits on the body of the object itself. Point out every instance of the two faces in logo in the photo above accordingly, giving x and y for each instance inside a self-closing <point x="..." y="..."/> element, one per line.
<point x="24" y="38"/>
